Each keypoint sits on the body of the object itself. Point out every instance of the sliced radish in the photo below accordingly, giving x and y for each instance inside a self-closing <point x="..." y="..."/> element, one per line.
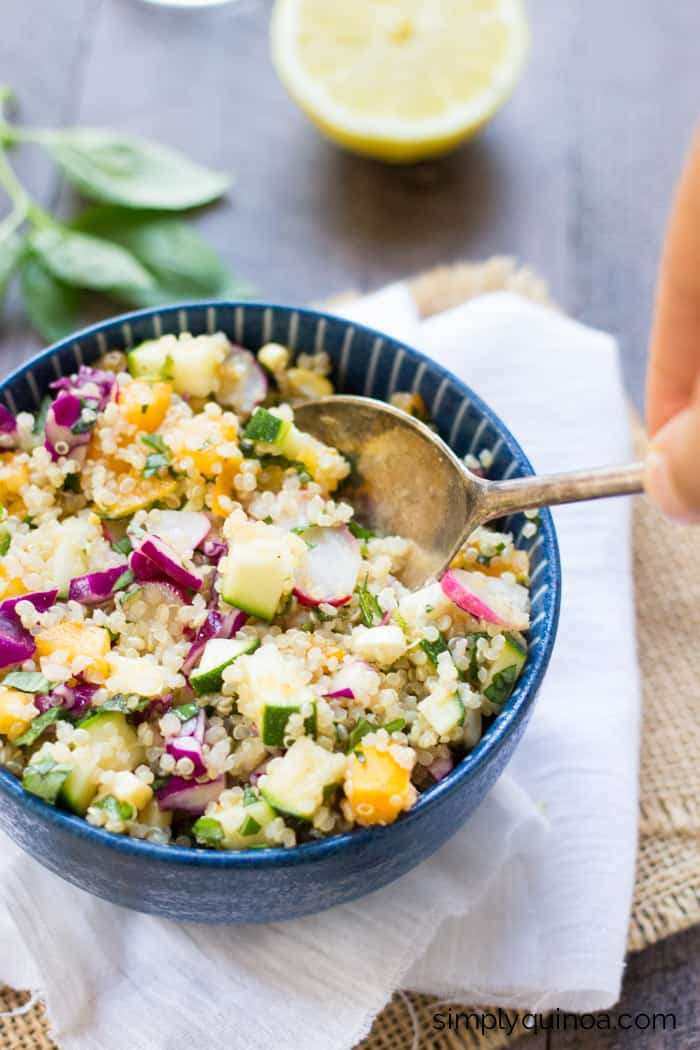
<point x="340" y="694"/>
<point x="182" y="530"/>
<point x="186" y="796"/>
<point x="331" y="566"/>
<point x="167" y="561"/>
<point x="8" y="428"/>
<point x="244" y="382"/>
<point x="488" y="598"/>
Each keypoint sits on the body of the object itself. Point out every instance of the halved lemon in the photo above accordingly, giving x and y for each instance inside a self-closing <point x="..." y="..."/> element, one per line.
<point x="399" y="79"/>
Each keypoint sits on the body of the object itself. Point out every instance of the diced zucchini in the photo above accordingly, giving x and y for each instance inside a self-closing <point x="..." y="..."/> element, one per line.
<point x="218" y="654"/>
<point x="82" y="784"/>
<point x="275" y="715"/>
<point x="442" y="713"/>
<point x="266" y="427"/>
<point x="504" y="672"/>
<point x="300" y="781"/>
<point x="191" y="364"/>
<point x="111" y="727"/>
<point x="254" y="578"/>
<point x="69" y="557"/>
<point x="244" y="825"/>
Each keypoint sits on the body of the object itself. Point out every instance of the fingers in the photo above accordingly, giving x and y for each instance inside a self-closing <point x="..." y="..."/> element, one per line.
<point x="675" y="345"/>
<point x="672" y="477"/>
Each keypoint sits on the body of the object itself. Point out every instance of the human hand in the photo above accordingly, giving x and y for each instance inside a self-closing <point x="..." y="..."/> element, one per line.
<point x="672" y="477"/>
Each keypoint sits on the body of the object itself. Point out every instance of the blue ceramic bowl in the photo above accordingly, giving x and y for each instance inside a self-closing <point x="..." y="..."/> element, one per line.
<point x="265" y="885"/>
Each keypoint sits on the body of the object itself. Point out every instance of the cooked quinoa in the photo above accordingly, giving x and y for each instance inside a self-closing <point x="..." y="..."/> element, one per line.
<point x="199" y="642"/>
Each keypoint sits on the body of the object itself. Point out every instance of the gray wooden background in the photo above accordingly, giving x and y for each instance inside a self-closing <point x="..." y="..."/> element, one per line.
<point x="574" y="177"/>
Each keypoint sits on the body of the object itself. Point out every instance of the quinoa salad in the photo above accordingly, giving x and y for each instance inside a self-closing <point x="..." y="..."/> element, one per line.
<point x="199" y="643"/>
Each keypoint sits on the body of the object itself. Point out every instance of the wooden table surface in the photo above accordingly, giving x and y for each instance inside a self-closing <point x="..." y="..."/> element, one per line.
<point x="574" y="177"/>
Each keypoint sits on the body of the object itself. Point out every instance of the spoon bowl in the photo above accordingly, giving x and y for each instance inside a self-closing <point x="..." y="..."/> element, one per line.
<point x="405" y="481"/>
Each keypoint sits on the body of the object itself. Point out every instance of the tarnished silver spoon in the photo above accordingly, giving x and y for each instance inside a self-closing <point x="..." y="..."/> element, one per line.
<point x="405" y="481"/>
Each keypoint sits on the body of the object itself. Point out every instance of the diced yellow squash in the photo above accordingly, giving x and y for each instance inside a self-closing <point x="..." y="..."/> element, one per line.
<point x="378" y="788"/>
<point x="223" y="486"/>
<point x="14" y="476"/>
<point x="409" y="402"/>
<point x="75" y="638"/>
<point x="205" y="450"/>
<point x="145" y="403"/>
<point x="10" y="587"/>
<point x="302" y="382"/>
<point x="147" y="492"/>
<point x="17" y="712"/>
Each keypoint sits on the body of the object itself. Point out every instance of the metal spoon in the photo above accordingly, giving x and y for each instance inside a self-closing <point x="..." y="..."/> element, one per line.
<point x="405" y="481"/>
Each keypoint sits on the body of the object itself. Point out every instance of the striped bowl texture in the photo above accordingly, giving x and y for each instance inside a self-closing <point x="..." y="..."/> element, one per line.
<point x="266" y="885"/>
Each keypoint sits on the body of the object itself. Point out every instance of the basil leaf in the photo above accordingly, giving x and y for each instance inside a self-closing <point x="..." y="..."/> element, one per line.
<point x="122" y="169"/>
<point x="369" y="606"/>
<point x="249" y="795"/>
<point x="115" y="808"/>
<point x="10" y="251"/>
<point x="40" y="417"/>
<point x="123" y="581"/>
<point x="27" y="681"/>
<point x="5" y="540"/>
<point x="396" y="726"/>
<point x="125" y="702"/>
<point x="155" y="461"/>
<point x="359" y="532"/>
<point x="208" y="831"/>
<point x="155" y="441"/>
<point x="122" y="546"/>
<point x="181" y="263"/>
<point x="46" y="778"/>
<point x="186" y="711"/>
<point x="433" y="649"/>
<point x="362" y="728"/>
<point x="40" y="723"/>
<point x="87" y="262"/>
<point x="51" y="305"/>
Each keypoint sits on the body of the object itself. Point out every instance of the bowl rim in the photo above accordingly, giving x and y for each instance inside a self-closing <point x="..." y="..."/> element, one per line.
<point x="488" y="746"/>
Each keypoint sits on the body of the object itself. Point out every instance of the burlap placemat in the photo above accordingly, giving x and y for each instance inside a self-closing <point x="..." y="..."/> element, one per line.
<point x="667" y="587"/>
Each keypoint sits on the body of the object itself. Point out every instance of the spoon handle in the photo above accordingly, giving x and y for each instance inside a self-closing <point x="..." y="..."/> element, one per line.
<point x="506" y="497"/>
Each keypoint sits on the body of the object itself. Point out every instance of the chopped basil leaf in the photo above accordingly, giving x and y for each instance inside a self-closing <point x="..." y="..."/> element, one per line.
<point x="40" y="723"/>
<point x="394" y="726"/>
<point x="40" y="417"/>
<point x="286" y="464"/>
<point x="124" y="702"/>
<point x="28" y="681"/>
<point x="501" y="685"/>
<point x="5" y="540"/>
<point x="249" y="795"/>
<point x="398" y="618"/>
<point x="122" y="546"/>
<point x="155" y="441"/>
<point x="155" y="461"/>
<point x="123" y="581"/>
<point x="46" y="778"/>
<point x="362" y="728"/>
<point x="208" y="832"/>
<point x="115" y="808"/>
<point x="369" y="606"/>
<point x="186" y="711"/>
<point x="433" y="649"/>
<point x="359" y="532"/>
<point x="168" y="369"/>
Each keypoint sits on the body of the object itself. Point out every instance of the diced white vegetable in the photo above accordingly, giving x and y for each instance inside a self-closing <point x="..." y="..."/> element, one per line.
<point x="380" y="645"/>
<point x="298" y="782"/>
<point x="133" y="674"/>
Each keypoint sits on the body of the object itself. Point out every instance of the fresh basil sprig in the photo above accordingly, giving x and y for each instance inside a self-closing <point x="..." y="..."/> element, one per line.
<point x="131" y="247"/>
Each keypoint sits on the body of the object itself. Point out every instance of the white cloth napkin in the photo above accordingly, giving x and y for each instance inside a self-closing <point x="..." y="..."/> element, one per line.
<point x="526" y="906"/>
